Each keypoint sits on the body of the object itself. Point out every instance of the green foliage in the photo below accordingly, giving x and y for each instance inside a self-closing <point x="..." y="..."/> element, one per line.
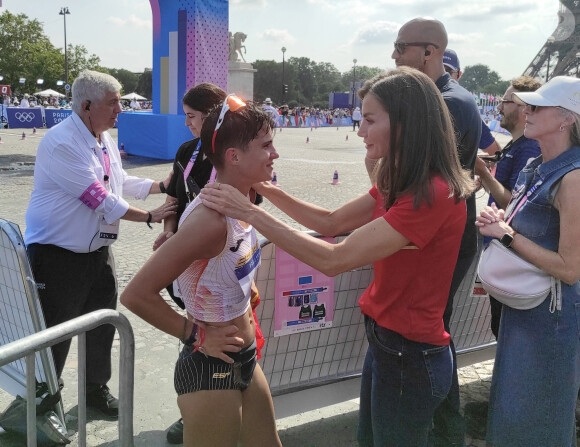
<point x="480" y="78"/>
<point x="145" y="84"/>
<point x="26" y="52"/>
<point x="309" y="82"/>
<point x="127" y="78"/>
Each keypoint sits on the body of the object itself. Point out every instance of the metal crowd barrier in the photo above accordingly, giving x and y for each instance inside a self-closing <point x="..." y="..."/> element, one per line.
<point x="28" y="346"/>
<point x="25" y="355"/>
<point x="319" y="357"/>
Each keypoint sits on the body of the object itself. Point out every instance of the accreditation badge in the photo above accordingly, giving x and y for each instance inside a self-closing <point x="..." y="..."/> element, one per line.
<point x="108" y="232"/>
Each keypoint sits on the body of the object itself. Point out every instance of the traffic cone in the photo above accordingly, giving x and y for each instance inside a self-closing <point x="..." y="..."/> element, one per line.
<point x="274" y="180"/>
<point x="307" y="139"/>
<point x="346" y="139"/>
<point x="23" y="136"/>
<point x="335" y="178"/>
<point x="34" y="131"/>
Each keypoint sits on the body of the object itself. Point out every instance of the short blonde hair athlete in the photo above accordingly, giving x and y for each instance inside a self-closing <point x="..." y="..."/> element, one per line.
<point x="233" y="405"/>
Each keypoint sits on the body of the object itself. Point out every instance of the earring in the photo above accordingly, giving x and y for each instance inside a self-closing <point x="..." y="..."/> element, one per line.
<point x="562" y="127"/>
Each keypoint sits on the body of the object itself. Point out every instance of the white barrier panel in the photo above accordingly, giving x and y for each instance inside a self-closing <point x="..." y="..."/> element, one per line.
<point x="302" y="360"/>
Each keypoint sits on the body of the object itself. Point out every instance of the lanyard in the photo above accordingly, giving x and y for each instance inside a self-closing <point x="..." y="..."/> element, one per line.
<point x="524" y="200"/>
<point x="189" y="166"/>
<point x="106" y="164"/>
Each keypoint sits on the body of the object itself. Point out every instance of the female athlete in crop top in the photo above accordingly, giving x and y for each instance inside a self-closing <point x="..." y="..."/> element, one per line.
<point x="223" y="396"/>
<point x="218" y="289"/>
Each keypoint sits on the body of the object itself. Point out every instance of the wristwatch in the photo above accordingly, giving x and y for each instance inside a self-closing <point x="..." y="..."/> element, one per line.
<point x="162" y="187"/>
<point x="506" y="240"/>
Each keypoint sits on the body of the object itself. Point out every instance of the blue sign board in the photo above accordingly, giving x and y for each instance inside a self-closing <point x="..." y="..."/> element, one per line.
<point x="54" y="116"/>
<point x="24" y="118"/>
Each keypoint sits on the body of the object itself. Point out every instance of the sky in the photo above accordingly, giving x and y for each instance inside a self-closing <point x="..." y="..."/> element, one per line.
<point x="504" y="35"/>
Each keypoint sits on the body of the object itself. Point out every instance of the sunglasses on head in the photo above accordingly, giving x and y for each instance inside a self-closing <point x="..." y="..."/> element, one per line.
<point x="231" y="103"/>
<point x="400" y="47"/>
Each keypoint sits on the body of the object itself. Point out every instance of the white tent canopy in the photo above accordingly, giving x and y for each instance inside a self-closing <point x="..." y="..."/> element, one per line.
<point x="134" y="96"/>
<point x="50" y="92"/>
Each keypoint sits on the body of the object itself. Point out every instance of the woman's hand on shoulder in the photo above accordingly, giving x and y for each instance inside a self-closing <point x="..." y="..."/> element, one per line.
<point x="227" y="200"/>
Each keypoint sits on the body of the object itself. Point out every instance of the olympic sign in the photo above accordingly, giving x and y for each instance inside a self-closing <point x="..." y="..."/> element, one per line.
<point x="5" y="90"/>
<point x="24" y="118"/>
<point x="55" y="116"/>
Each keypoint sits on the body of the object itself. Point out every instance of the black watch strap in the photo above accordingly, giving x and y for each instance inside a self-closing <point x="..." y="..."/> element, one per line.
<point x="162" y="187"/>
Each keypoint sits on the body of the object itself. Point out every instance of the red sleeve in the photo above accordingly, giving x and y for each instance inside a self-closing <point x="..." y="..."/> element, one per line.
<point x="422" y="224"/>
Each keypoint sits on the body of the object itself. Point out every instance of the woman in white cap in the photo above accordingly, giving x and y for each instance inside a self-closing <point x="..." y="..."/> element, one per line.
<point x="536" y="374"/>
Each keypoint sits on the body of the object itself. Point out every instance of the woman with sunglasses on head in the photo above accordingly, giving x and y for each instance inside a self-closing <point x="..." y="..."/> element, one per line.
<point x="191" y="171"/>
<point x="223" y="397"/>
<point x="410" y="226"/>
<point x="536" y="374"/>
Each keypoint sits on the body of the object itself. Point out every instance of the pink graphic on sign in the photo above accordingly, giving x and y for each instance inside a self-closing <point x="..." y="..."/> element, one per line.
<point x="304" y="296"/>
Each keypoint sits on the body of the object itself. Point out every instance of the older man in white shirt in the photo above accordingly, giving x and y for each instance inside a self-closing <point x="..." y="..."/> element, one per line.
<point x="72" y="218"/>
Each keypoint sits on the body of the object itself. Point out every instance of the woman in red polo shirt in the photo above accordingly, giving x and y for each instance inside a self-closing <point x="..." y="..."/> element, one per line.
<point x="410" y="226"/>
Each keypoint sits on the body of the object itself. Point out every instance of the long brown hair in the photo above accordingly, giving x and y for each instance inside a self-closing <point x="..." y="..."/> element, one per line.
<point x="422" y="139"/>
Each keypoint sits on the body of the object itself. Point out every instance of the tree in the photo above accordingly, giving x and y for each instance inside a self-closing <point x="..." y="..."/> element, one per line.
<point x="26" y="53"/>
<point x="127" y="78"/>
<point x="479" y="78"/>
<point x="145" y="84"/>
<point x="79" y="60"/>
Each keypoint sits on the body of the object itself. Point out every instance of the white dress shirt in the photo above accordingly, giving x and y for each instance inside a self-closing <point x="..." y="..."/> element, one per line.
<point x="72" y="204"/>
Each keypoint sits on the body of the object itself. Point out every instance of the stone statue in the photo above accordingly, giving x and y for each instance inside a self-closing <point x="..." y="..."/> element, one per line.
<point x="236" y="45"/>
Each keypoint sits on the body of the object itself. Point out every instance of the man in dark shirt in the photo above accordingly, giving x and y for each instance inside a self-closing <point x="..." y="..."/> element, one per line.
<point x="514" y="157"/>
<point x="421" y="44"/>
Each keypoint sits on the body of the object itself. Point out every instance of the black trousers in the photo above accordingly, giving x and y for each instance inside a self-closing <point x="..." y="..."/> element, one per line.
<point x="73" y="284"/>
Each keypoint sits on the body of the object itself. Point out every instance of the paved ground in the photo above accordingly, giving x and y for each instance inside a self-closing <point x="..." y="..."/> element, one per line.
<point x="305" y="169"/>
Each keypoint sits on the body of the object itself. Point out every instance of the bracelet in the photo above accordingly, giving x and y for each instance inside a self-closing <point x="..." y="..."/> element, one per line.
<point x="201" y="340"/>
<point x="149" y="217"/>
<point x="162" y="187"/>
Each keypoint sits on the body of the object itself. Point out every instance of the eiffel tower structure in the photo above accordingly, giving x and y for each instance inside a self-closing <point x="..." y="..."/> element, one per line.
<point x="560" y="55"/>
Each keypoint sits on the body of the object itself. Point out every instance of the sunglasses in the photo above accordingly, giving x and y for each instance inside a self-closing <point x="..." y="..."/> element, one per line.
<point x="231" y="103"/>
<point x="534" y="108"/>
<point x="401" y="46"/>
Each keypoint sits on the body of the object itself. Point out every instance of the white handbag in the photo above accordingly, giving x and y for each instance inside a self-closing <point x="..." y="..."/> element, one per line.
<point x="514" y="281"/>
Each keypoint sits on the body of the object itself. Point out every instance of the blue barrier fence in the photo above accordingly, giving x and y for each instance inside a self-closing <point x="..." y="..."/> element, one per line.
<point x="29" y="117"/>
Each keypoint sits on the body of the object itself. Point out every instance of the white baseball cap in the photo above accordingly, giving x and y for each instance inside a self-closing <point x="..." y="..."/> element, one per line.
<point x="561" y="91"/>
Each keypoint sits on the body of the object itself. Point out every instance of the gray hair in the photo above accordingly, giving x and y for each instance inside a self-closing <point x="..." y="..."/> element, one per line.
<point x="92" y="86"/>
<point x="574" y="127"/>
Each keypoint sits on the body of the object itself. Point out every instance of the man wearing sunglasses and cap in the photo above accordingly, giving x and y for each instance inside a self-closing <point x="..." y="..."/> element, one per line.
<point x="420" y="44"/>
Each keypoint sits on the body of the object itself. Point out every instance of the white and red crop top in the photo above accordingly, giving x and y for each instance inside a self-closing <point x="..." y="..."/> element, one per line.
<point x="218" y="289"/>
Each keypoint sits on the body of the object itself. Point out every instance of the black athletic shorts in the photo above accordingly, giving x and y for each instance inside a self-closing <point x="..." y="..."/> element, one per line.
<point x="194" y="371"/>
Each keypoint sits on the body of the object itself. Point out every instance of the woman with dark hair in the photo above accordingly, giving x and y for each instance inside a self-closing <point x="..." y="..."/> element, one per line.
<point x="223" y="397"/>
<point x="536" y="374"/>
<point x="192" y="169"/>
<point x="410" y="226"/>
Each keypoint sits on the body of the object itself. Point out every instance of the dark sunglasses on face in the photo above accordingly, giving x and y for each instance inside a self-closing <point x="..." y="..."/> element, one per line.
<point x="400" y="47"/>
